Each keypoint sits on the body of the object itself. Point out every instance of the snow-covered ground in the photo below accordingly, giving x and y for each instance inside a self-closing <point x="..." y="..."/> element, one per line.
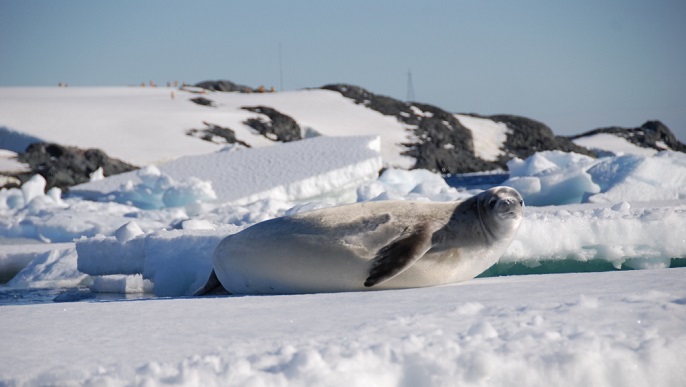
<point x="151" y="232"/>
<point x="489" y="136"/>
<point x="606" y="142"/>
<point x="8" y="162"/>
<point x="592" y="329"/>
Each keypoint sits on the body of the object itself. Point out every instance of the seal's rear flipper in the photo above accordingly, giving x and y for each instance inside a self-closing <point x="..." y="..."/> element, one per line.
<point x="212" y="287"/>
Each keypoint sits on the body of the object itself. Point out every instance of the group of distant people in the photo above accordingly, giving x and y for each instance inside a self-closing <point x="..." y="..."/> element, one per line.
<point x="142" y="84"/>
<point x="169" y="84"/>
<point x="262" y="90"/>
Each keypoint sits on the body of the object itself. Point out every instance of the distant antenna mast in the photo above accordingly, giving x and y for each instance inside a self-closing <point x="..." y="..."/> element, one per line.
<point x="410" y="87"/>
<point x="280" y="69"/>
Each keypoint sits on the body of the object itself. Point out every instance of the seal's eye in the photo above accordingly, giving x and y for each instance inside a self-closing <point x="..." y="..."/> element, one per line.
<point x="521" y="202"/>
<point x="492" y="202"/>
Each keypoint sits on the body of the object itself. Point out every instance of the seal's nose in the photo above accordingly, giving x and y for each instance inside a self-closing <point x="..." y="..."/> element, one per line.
<point x="510" y="205"/>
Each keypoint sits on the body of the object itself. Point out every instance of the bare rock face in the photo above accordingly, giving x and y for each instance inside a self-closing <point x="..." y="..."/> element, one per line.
<point x="202" y="101"/>
<point x="442" y="144"/>
<point x="216" y="134"/>
<point x="224" y="85"/>
<point x="65" y="166"/>
<point x="528" y="136"/>
<point x="276" y="126"/>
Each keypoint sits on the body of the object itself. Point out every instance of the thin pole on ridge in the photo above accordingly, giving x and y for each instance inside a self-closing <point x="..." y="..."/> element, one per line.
<point x="410" y="86"/>
<point x="280" y="68"/>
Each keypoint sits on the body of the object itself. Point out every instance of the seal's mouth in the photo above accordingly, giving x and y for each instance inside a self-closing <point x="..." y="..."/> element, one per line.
<point x="511" y="215"/>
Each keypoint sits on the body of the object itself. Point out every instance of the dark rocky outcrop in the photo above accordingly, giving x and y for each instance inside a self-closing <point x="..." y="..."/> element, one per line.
<point x="216" y="134"/>
<point x="528" y="136"/>
<point x="652" y="134"/>
<point x="278" y="127"/>
<point x="385" y="105"/>
<point x="441" y="143"/>
<point x="65" y="166"/>
<point x="224" y="85"/>
<point x="203" y="101"/>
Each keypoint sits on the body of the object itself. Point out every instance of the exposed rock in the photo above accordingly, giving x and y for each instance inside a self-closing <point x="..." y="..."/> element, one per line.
<point x="204" y="101"/>
<point x="652" y="134"/>
<point x="224" y="85"/>
<point x="278" y="127"/>
<point x="528" y="136"/>
<point x="216" y="134"/>
<point x="65" y="166"/>
<point x="442" y="143"/>
<point x="385" y="105"/>
<point x="228" y="86"/>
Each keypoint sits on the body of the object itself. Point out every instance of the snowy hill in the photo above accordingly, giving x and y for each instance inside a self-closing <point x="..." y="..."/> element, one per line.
<point x="132" y="124"/>
<point x="129" y="124"/>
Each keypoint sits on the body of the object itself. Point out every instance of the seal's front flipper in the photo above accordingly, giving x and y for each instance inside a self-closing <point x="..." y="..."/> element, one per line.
<point x="211" y="287"/>
<point x="397" y="256"/>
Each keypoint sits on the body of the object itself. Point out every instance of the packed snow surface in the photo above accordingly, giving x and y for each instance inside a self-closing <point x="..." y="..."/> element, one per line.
<point x="301" y="170"/>
<point x="489" y="136"/>
<point x="9" y="165"/>
<point x="9" y="162"/>
<point x="609" y="143"/>
<point x="613" y="328"/>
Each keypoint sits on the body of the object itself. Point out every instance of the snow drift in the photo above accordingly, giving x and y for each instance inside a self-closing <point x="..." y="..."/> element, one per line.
<point x="553" y="177"/>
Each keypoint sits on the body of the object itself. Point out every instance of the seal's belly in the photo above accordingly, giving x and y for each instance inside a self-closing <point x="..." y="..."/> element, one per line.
<point x="268" y="269"/>
<point x="445" y="267"/>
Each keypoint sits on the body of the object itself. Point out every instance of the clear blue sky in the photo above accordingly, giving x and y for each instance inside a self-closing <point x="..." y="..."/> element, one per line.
<point x="574" y="65"/>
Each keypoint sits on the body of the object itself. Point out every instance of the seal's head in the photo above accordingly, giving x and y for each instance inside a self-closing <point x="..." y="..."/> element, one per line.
<point x="501" y="210"/>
